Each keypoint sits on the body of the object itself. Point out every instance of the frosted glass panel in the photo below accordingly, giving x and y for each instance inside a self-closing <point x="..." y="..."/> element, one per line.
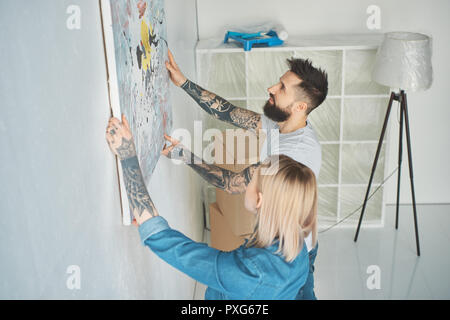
<point x="357" y="160"/>
<point x="329" y="171"/>
<point x="358" y="73"/>
<point x="363" y="118"/>
<point x="327" y="205"/>
<point x="239" y="103"/>
<point x="325" y="120"/>
<point x="213" y="123"/>
<point x="352" y="198"/>
<point x="223" y="74"/>
<point x="331" y="62"/>
<point x="256" y="105"/>
<point x="265" y="70"/>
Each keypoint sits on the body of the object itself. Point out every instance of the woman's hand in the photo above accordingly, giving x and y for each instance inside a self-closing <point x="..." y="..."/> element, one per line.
<point x="168" y="149"/>
<point x="174" y="71"/>
<point x="177" y="151"/>
<point x="120" y="138"/>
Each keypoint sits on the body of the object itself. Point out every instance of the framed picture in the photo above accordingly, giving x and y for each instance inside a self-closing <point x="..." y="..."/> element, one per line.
<point x="135" y="40"/>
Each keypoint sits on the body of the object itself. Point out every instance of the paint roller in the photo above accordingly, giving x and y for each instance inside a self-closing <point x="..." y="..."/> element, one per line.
<point x="261" y="30"/>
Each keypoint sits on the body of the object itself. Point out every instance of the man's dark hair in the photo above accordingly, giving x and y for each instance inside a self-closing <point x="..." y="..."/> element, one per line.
<point x="314" y="81"/>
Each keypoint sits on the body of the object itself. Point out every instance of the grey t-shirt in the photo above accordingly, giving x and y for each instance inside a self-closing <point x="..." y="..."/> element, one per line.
<point x="301" y="145"/>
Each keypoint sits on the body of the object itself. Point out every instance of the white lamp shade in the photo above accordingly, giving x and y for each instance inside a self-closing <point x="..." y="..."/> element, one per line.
<point x="404" y="61"/>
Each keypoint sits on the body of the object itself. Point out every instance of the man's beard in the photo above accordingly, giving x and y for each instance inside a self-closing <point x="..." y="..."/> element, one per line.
<point x="273" y="112"/>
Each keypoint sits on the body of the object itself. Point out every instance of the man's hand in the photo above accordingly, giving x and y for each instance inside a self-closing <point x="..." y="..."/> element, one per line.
<point x="120" y="138"/>
<point x="174" y="71"/>
<point x="213" y="104"/>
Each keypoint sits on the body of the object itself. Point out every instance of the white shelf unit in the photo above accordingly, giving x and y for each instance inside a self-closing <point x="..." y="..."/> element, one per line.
<point x="348" y="123"/>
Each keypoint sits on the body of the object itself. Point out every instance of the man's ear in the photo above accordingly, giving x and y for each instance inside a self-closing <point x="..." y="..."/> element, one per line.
<point x="301" y="106"/>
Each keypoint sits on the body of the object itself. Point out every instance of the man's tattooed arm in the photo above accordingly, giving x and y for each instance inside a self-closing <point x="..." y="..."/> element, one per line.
<point x="222" y="109"/>
<point x="229" y="181"/>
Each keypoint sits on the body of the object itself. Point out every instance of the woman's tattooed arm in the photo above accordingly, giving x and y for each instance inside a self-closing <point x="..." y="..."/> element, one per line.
<point x="138" y="197"/>
<point x="120" y="140"/>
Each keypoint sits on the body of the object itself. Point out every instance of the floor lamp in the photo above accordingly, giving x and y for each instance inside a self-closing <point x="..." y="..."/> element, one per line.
<point x="403" y="61"/>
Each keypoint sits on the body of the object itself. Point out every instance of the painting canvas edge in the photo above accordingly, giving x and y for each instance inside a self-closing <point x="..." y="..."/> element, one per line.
<point x="105" y="10"/>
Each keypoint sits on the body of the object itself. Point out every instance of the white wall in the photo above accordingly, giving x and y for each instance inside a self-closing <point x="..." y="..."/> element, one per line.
<point x="429" y="111"/>
<point x="59" y="193"/>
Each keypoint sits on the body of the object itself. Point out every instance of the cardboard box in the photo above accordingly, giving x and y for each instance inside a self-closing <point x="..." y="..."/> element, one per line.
<point x="209" y="196"/>
<point x="238" y="148"/>
<point x="222" y="237"/>
<point x="240" y="220"/>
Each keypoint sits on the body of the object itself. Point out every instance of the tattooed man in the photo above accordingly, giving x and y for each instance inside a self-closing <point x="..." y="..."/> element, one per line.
<point x="299" y="91"/>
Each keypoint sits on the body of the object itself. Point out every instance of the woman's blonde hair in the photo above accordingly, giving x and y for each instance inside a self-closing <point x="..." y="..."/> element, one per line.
<point x="289" y="209"/>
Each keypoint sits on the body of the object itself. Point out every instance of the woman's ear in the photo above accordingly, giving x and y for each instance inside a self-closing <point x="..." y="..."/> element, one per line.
<point x="259" y="201"/>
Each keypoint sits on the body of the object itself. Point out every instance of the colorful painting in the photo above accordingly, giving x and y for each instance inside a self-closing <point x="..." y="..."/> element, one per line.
<point x="140" y="46"/>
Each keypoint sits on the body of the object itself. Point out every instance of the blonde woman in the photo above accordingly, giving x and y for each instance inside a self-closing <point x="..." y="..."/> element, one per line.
<point x="273" y="264"/>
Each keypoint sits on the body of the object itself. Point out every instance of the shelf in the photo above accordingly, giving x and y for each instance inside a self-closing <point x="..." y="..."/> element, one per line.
<point x="347" y="124"/>
<point x="311" y="42"/>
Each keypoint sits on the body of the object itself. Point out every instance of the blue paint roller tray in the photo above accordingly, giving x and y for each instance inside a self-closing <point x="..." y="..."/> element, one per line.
<point x="248" y="40"/>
